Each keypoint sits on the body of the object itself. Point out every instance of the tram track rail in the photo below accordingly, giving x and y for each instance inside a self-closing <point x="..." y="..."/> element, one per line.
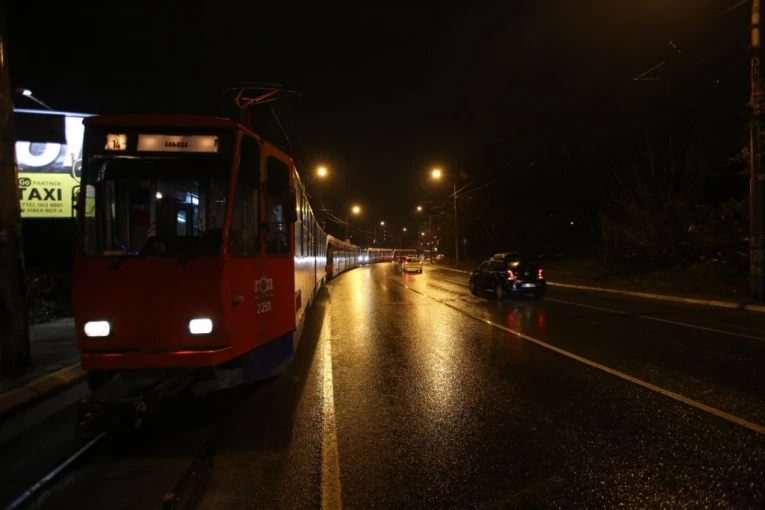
<point x="29" y="494"/>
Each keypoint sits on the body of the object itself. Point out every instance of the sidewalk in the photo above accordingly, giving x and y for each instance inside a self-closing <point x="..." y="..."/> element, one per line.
<point x="562" y="279"/>
<point x="55" y="365"/>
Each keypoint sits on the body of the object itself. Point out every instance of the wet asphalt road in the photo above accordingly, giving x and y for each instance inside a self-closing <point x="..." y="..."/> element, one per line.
<point x="434" y="403"/>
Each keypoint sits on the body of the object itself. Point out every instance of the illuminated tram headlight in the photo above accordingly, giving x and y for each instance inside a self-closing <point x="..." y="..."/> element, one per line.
<point x="202" y="326"/>
<point x="97" y="329"/>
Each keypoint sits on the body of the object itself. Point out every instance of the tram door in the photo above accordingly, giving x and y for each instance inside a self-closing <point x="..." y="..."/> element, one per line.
<point x="277" y="300"/>
<point x="245" y="251"/>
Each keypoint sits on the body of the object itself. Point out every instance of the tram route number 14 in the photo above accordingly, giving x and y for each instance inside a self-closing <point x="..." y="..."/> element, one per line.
<point x="264" y="307"/>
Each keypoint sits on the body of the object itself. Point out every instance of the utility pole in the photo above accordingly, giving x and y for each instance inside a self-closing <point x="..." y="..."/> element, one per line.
<point x="432" y="244"/>
<point x="346" y="228"/>
<point x="14" y="326"/>
<point x="757" y="177"/>
<point x="456" y="230"/>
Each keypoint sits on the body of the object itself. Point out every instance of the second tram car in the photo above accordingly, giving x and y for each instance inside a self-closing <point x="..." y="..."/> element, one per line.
<point x="380" y="255"/>
<point x="341" y="256"/>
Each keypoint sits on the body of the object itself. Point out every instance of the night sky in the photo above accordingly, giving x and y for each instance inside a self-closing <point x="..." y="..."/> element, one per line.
<point x="387" y="94"/>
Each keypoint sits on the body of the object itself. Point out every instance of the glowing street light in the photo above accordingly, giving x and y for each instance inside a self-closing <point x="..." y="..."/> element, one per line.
<point x="419" y="208"/>
<point x="28" y="93"/>
<point x="404" y="229"/>
<point x="436" y="173"/>
<point x="355" y="210"/>
<point x="321" y="171"/>
<point x="382" y="223"/>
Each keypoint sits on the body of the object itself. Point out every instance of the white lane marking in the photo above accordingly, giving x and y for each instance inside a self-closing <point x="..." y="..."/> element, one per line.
<point x="331" y="495"/>
<point x="760" y="429"/>
<point x="676" y="323"/>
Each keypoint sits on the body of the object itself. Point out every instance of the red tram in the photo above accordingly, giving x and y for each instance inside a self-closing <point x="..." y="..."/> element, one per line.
<point x="341" y="256"/>
<point x="196" y="248"/>
<point x="375" y="255"/>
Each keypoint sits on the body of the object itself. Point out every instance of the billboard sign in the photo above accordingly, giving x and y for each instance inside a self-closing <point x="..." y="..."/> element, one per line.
<point x="49" y="171"/>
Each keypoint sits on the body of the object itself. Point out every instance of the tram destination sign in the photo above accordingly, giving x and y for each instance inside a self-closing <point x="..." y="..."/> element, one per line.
<point x="177" y="143"/>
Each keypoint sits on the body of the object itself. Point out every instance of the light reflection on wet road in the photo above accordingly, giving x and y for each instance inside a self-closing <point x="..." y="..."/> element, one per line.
<point x="480" y="417"/>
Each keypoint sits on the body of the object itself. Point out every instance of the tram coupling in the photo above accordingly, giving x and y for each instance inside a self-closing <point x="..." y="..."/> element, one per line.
<point x="127" y="399"/>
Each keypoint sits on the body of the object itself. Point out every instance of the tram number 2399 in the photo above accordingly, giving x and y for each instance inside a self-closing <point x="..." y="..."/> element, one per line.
<point x="264" y="307"/>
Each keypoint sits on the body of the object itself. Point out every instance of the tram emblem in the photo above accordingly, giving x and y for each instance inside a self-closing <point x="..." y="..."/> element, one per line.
<point x="264" y="287"/>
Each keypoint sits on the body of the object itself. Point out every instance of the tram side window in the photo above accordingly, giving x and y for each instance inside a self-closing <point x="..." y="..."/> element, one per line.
<point x="307" y="231"/>
<point x="277" y="183"/>
<point x="243" y="240"/>
<point x="310" y="234"/>
<point x="304" y="222"/>
<point x="299" y="234"/>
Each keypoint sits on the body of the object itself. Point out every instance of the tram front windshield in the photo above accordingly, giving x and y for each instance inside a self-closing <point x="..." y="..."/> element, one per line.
<point x="154" y="207"/>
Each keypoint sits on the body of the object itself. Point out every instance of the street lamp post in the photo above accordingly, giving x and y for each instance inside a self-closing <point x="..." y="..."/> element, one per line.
<point x="456" y="230"/>
<point x="28" y="93"/>
<point x="355" y="210"/>
<point x="15" y="347"/>
<point x="312" y="183"/>
<point x="757" y="174"/>
<point x="430" y="220"/>
<point x="437" y="173"/>
<point x="430" y="229"/>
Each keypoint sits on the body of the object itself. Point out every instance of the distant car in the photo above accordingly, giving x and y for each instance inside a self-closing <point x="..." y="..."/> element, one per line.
<point x="440" y="256"/>
<point x="412" y="264"/>
<point x="507" y="273"/>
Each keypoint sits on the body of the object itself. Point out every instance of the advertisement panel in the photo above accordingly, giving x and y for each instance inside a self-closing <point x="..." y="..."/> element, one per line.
<point x="49" y="172"/>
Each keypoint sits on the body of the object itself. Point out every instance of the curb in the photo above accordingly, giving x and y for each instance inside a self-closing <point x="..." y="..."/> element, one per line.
<point x="662" y="297"/>
<point x="40" y="387"/>
<point x="449" y="269"/>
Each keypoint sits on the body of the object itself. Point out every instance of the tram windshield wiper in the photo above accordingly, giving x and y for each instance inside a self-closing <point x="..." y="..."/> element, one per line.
<point x="208" y="243"/>
<point x="121" y="259"/>
<point x="184" y="258"/>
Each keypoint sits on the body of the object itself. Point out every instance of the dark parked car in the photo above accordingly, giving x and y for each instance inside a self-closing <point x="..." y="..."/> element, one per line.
<point x="507" y="273"/>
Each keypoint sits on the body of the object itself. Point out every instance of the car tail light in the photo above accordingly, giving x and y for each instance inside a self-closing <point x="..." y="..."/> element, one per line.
<point x="540" y="275"/>
<point x="510" y="275"/>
